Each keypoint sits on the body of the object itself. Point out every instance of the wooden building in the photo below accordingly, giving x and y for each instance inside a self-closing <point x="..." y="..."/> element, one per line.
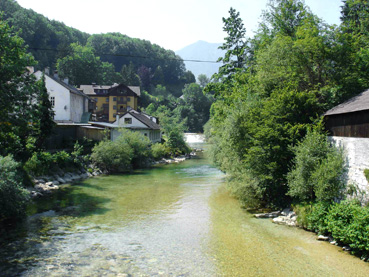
<point x="349" y="119"/>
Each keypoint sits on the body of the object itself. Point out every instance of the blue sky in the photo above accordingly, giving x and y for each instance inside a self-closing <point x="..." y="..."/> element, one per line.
<point x="171" y="24"/>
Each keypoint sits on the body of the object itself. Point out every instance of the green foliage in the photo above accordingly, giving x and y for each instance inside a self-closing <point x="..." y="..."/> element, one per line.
<point x="18" y="95"/>
<point x="235" y="45"/>
<point x="139" y="144"/>
<point x="295" y="68"/>
<point x="13" y="197"/>
<point x="347" y="222"/>
<point x="43" y="163"/>
<point x="173" y="126"/>
<point x="318" y="169"/>
<point x="81" y="66"/>
<point x="366" y="173"/>
<point x="112" y="156"/>
<point x="43" y="122"/>
<point x="129" y="150"/>
<point x="159" y="151"/>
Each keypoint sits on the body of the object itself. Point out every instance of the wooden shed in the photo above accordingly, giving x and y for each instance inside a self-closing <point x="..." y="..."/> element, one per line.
<point x="351" y="118"/>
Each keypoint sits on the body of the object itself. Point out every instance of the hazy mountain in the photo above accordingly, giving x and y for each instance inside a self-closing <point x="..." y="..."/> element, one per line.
<point x="203" y="51"/>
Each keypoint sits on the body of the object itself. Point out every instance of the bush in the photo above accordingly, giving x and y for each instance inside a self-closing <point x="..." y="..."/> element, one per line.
<point x="159" y="151"/>
<point x="318" y="169"/>
<point x="139" y="144"/>
<point x="112" y="156"/>
<point x="347" y="222"/>
<point x="13" y="197"/>
<point x="43" y="163"/>
<point x="40" y="163"/>
<point x="129" y="150"/>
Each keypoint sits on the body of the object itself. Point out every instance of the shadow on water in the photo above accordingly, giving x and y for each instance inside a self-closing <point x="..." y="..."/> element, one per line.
<point x="49" y="219"/>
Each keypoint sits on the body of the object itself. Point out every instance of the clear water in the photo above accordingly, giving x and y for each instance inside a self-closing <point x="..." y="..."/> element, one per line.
<point x="174" y="220"/>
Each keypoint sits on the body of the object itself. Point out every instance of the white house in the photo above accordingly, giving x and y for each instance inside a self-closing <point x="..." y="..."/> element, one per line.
<point x="141" y="122"/>
<point x="68" y="102"/>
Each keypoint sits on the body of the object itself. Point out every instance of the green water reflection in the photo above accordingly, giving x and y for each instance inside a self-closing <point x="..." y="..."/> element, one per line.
<point x="175" y="220"/>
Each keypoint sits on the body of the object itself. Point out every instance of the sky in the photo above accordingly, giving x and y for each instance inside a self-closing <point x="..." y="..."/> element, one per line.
<point x="172" y="24"/>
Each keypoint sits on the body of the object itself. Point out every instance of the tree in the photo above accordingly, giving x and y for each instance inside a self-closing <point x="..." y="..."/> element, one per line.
<point x="128" y="75"/>
<point x="318" y="169"/>
<point x="13" y="197"/>
<point x="145" y="77"/>
<point x="235" y="45"/>
<point x="43" y="123"/>
<point x="203" y="80"/>
<point x="18" y="91"/>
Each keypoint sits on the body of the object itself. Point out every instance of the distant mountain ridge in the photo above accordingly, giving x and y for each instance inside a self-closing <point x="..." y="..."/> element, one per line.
<point x="203" y="51"/>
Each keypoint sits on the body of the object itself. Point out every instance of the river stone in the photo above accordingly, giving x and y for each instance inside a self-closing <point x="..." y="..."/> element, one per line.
<point x="61" y="180"/>
<point x="49" y="183"/>
<point x="55" y="183"/>
<point x="268" y="215"/>
<point x="323" y="238"/>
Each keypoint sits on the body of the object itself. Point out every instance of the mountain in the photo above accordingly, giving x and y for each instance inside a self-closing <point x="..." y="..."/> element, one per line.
<point x="203" y="51"/>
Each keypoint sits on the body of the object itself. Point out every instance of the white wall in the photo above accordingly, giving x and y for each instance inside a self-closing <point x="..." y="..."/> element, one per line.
<point x="357" y="153"/>
<point x="62" y="97"/>
<point x="76" y="107"/>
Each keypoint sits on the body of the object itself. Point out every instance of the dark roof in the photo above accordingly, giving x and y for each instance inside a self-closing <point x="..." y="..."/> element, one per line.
<point x="121" y="90"/>
<point x="67" y="86"/>
<point x="144" y="119"/>
<point x="355" y="104"/>
<point x="116" y="90"/>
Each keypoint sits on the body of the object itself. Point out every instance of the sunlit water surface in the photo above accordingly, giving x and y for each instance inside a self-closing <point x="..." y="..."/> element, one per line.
<point x="174" y="220"/>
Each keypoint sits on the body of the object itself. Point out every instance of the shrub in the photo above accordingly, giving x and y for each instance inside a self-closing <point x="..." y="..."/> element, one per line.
<point x="339" y="219"/>
<point x="318" y="169"/>
<point x="13" y="197"/>
<point x="139" y="144"/>
<point x="129" y="150"/>
<point x="40" y="163"/>
<point x="159" y="151"/>
<point x="112" y="156"/>
<point x="317" y="218"/>
<point x="366" y="173"/>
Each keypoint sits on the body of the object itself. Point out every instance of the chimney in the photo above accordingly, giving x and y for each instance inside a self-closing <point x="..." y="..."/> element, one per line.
<point x="47" y="70"/>
<point x="66" y="80"/>
<point x="56" y="76"/>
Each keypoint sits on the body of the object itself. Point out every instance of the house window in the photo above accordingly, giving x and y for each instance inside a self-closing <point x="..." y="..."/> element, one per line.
<point x="114" y="107"/>
<point x="107" y="99"/>
<point x="121" y="98"/>
<point x="128" y="121"/>
<point x="52" y="101"/>
<point x="128" y="99"/>
<point x="96" y="99"/>
<point x="114" y="99"/>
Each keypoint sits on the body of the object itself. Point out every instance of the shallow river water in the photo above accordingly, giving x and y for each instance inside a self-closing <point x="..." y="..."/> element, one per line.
<point x="174" y="220"/>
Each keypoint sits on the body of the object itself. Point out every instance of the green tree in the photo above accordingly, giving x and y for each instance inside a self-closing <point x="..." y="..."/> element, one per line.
<point x="203" y="80"/>
<point x="129" y="76"/>
<point x="318" y="169"/>
<point x="235" y="45"/>
<point x="43" y="123"/>
<point x="18" y="92"/>
<point x="13" y="197"/>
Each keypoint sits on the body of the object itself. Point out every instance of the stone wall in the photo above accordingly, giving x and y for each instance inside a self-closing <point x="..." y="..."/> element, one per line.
<point x="357" y="153"/>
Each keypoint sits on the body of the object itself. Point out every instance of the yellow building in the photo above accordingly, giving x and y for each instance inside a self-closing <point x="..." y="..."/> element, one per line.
<point x="111" y="101"/>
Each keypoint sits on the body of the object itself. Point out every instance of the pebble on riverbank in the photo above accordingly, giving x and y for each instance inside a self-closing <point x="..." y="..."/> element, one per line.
<point x="47" y="184"/>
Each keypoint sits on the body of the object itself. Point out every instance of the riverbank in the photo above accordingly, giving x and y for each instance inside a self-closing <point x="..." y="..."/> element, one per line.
<point x="46" y="184"/>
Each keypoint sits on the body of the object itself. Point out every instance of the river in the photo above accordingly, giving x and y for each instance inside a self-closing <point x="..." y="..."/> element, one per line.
<point x="172" y="220"/>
